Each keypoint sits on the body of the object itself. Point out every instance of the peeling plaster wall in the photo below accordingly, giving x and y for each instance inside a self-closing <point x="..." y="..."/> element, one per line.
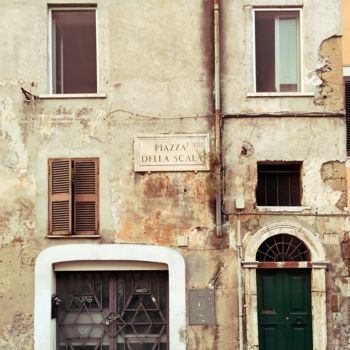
<point x="307" y="129"/>
<point x="312" y="141"/>
<point x="319" y="143"/>
<point x="155" y="66"/>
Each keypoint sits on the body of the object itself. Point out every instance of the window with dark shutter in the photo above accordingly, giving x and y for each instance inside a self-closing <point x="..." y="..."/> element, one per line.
<point x="60" y="196"/>
<point x="347" y="111"/>
<point x="85" y="196"/>
<point x="279" y="184"/>
<point x="73" y="196"/>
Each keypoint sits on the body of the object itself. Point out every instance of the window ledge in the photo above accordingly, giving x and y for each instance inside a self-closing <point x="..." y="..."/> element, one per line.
<point x="280" y="94"/>
<point x="72" y="236"/>
<point x="71" y="96"/>
<point x="283" y="208"/>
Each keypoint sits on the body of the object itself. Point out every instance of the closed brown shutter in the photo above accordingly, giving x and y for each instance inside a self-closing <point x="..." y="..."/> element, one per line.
<point x="347" y="111"/>
<point x="85" y="196"/>
<point x="60" y="205"/>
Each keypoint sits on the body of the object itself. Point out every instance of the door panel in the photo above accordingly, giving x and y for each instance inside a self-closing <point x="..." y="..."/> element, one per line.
<point x="112" y="310"/>
<point x="284" y="309"/>
<point x="297" y="301"/>
<point x="270" y="310"/>
<point x="270" y="337"/>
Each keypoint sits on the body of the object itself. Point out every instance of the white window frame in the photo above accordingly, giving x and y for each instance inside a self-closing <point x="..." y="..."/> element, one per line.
<point x="103" y="257"/>
<point x="51" y="59"/>
<point x="301" y="91"/>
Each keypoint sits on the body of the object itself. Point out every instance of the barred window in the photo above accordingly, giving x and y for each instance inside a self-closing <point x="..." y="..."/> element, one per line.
<point x="278" y="184"/>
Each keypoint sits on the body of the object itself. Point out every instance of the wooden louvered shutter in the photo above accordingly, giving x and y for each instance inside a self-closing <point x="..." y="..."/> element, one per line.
<point x="347" y="111"/>
<point x="85" y="196"/>
<point x="60" y="204"/>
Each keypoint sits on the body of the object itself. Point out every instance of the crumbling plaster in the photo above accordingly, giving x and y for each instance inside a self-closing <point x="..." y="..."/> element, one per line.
<point x="155" y="68"/>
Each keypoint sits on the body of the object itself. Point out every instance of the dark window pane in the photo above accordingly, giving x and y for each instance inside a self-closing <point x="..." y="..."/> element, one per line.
<point x="283" y="190"/>
<point x="277" y="66"/>
<point x="265" y="52"/>
<point x="74" y="51"/>
<point x="271" y="196"/>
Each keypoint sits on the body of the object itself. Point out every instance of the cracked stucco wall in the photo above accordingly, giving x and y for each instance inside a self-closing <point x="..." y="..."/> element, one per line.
<point x="329" y="93"/>
<point x="155" y="66"/>
<point x="307" y="129"/>
<point x="319" y="143"/>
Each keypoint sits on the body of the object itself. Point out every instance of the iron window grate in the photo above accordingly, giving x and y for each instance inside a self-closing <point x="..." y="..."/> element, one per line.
<point x="117" y="310"/>
<point x="283" y="247"/>
<point x="278" y="185"/>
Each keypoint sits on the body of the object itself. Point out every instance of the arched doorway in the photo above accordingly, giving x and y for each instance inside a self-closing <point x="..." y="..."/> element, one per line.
<point x="63" y="270"/>
<point x="313" y="261"/>
<point x="284" y="295"/>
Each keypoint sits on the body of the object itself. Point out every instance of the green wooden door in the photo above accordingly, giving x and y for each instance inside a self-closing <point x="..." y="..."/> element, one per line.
<point x="284" y="309"/>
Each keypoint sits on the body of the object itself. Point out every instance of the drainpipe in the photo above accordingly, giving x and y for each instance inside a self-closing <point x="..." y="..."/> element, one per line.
<point x="218" y="152"/>
<point x="239" y="283"/>
<point x="217" y="126"/>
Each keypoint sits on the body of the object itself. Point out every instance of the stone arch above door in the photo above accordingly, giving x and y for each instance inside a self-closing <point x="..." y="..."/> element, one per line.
<point x="310" y="238"/>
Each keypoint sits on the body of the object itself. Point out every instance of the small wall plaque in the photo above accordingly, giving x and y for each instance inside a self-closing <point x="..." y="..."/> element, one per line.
<point x="202" y="306"/>
<point x="180" y="152"/>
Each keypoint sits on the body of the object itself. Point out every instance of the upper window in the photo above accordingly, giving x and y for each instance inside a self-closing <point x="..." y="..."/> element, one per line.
<point x="73" y="51"/>
<point x="73" y="196"/>
<point x="279" y="184"/>
<point x="277" y="51"/>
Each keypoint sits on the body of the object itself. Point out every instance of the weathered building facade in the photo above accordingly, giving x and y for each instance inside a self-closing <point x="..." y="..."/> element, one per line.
<point x="170" y="170"/>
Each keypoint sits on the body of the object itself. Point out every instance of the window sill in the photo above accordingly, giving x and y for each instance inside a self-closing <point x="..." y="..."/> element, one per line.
<point x="71" y="96"/>
<point x="280" y="94"/>
<point x="283" y="208"/>
<point x="72" y="236"/>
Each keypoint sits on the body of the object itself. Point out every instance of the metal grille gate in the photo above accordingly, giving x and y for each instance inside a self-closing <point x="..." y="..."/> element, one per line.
<point x="112" y="310"/>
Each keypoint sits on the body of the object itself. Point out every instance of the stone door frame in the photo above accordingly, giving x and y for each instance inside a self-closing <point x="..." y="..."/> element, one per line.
<point x="318" y="266"/>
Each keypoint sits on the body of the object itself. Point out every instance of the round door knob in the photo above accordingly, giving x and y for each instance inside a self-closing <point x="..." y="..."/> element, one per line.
<point x="287" y="318"/>
<point x="298" y="321"/>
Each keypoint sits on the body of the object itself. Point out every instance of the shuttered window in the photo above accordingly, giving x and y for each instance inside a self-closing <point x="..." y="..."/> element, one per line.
<point x="73" y="196"/>
<point x="347" y="110"/>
